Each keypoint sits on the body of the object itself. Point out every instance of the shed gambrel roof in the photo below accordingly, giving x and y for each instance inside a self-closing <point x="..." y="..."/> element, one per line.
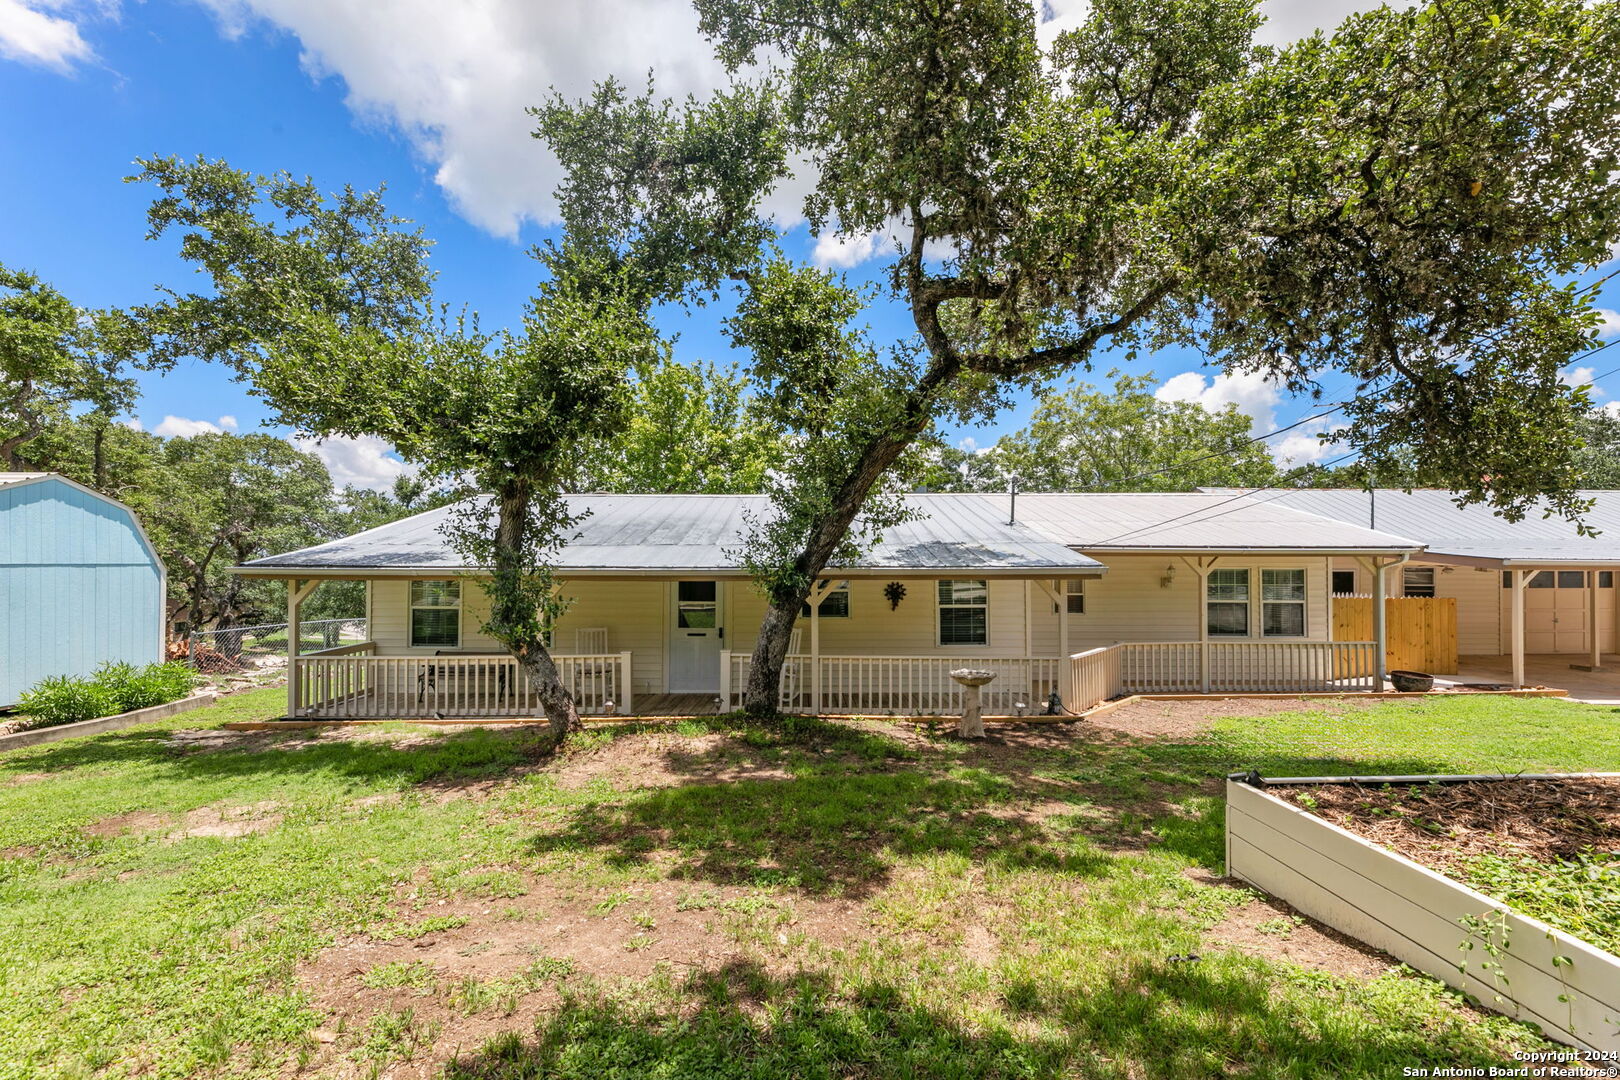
<point x="679" y="534"/>
<point x="1466" y="532"/>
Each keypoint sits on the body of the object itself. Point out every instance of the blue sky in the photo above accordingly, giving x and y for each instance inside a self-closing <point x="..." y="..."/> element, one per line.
<point x="424" y="96"/>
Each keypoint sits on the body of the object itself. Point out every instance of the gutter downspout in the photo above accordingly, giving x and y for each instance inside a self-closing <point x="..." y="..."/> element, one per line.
<point x="1380" y="620"/>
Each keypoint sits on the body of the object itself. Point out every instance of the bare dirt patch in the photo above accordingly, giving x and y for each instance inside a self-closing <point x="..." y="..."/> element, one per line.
<point x="1269" y="928"/>
<point x="1183" y="719"/>
<point x="229" y="821"/>
<point x="1441" y="825"/>
<point x="664" y="759"/>
<point x="132" y="821"/>
<point x="507" y="963"/>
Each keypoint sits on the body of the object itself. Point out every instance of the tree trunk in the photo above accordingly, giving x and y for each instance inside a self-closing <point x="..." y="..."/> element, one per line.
<point x="764" y="691"/>
<point x="514" y="612"/>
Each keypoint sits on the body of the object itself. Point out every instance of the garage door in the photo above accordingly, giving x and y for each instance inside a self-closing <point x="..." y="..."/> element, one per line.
<point x="1555" y="612"/>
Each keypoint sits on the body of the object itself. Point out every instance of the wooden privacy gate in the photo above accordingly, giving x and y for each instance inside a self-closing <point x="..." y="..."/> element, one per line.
<point x="1421" y="632"/>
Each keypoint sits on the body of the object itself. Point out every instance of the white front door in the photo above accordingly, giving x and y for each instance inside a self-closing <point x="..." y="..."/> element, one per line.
<point x="695" y="637"/>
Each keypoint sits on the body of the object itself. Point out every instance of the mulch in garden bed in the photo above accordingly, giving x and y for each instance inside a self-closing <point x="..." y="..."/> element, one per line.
<point x="1441" y="825"/>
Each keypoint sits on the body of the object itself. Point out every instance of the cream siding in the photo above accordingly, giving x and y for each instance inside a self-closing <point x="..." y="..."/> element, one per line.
<point x="1130" y="604"/>
<point x="635" y="613"/>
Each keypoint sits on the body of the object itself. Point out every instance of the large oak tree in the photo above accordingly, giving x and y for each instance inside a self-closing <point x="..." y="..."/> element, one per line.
<point x="1399" y="202"/>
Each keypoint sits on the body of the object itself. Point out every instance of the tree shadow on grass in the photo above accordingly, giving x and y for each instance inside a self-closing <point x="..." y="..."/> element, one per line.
<point x="824" y="832"/>
<point x="467" y="754"/>
<point x="741" y="1021"/>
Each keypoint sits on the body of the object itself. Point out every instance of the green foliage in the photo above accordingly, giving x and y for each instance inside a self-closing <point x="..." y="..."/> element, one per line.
<point x="115" y="687"/>
<point x="1083" y="439"/>
<point x="131" y="687"/>
<point x="822" y="382"/>
<point x="64" y="699"/>
<point x="1579" y="895"/>
<point x="1398" y="202"/>
<point x="54" y="358"/>
<point x="687" y="428"/>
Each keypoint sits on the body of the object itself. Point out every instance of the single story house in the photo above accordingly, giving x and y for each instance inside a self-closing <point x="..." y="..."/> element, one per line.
<point x="1078" y="595"/>
<point x="80" y="583"/>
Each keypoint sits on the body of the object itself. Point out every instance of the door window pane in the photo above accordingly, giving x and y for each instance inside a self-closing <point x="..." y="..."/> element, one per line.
<point x="695" y="605"/>
<point x="1572" y="579"/>
<point x="1542" y="580"/>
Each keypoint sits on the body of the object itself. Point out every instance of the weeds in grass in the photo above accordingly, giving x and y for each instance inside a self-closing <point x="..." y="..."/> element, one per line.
<point x="1580" y="896"/>
<point x="398" y="974"/>
<point x="410" y="931"/>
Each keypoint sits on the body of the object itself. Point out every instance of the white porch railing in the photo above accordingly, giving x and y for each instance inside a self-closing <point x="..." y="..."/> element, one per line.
<point x="1247" y="667"/>
<point x="353" y="683"/>
<point x="1092" y="678"/>
<point x="897" y="685"/>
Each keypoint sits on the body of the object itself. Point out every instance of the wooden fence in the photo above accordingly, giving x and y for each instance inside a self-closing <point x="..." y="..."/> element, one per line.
<point x="1421" y="632"/>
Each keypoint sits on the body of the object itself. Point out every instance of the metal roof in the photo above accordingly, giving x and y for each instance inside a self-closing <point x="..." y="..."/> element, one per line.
<point x="670" y="534"/>
<point x="1474" y="532"/>
<point x="1193" y="521"/>
<point x="7" y="479"/>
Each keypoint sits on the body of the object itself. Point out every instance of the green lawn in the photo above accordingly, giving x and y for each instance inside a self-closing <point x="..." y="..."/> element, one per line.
<point x="704" y="901"/>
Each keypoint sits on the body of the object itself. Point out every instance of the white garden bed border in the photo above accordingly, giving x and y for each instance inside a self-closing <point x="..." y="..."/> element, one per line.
<point x="36" y="736"/>
<point x="1421" y="917"/>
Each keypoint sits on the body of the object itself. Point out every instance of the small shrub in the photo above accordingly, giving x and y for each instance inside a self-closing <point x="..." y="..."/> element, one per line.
<point x="64" y="699"/>
<point x="134" y="687"/>
<point x="116" y="687"/>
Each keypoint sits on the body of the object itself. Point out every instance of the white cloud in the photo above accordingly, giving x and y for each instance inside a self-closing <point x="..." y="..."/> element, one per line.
<point x="455" y="78"/>
<point x="359" y="462"/>
<point x="839" y="250"/>
<point x="228" y="423"/>
<point x="31" y="36"/>
<point x="178" y="427"/>
<point x="1609" y="323"/>
<point x="1257" y="398"/>
<point x="134" y="424"/>
<point x="1252" y="393"/>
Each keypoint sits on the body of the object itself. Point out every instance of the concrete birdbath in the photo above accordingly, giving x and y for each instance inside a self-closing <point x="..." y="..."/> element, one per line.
<point x="972" y="679"/>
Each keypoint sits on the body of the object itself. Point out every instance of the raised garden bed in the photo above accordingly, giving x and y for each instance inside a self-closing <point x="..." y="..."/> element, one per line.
<point x="1507" y="888"/>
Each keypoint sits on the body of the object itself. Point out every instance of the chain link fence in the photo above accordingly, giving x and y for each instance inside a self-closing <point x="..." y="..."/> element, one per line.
<point x="253" y="648"/>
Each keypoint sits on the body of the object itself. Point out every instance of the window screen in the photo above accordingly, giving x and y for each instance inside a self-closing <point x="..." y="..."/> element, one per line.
<point x="1418" y="580"/>
<point x="963" y="613"/>
<point x="1282" y="603"/>
<point x="1226" y="602"/>
<point x="435" y="614"/>
<point x="834" y="603"/>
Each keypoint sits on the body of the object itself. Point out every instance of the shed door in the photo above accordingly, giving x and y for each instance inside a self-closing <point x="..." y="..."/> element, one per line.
<point x="1555" y="612"/>
<point x="695" y="635"/>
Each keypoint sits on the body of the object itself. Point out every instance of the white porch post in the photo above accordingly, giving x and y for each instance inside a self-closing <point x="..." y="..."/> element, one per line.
<point x="815" y="650"/>
<point x="1592" y="620"/>
<point x="1060" y="591"/>
<point x="1518" y="582"/>
<point x="296" y="595"/>
<point x="1380" y="603"/>
<point x="626" y="679"/>
<point x="1029" y="623"/>
<point x="725" y="680"/>
<point x="1203" y="569"/>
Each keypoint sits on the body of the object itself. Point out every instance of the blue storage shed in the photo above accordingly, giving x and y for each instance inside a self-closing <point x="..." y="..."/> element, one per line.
<point x="80" y="583"/>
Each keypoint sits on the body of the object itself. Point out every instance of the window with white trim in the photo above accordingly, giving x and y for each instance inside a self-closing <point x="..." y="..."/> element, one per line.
<point x="1074" y="595"/>
<point x="834" y="603"/>
<point x="1226" y="603"/>
<point x="435" y="614"/>
<point x="1282" y="603"/>
<point x="1344" y="582"/>
<point x="964" y="608"/>
<point x="1417" y="580"/>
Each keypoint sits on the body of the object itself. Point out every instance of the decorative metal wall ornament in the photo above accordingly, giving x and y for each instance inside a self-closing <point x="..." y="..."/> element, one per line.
<point x="894" y="592"/>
